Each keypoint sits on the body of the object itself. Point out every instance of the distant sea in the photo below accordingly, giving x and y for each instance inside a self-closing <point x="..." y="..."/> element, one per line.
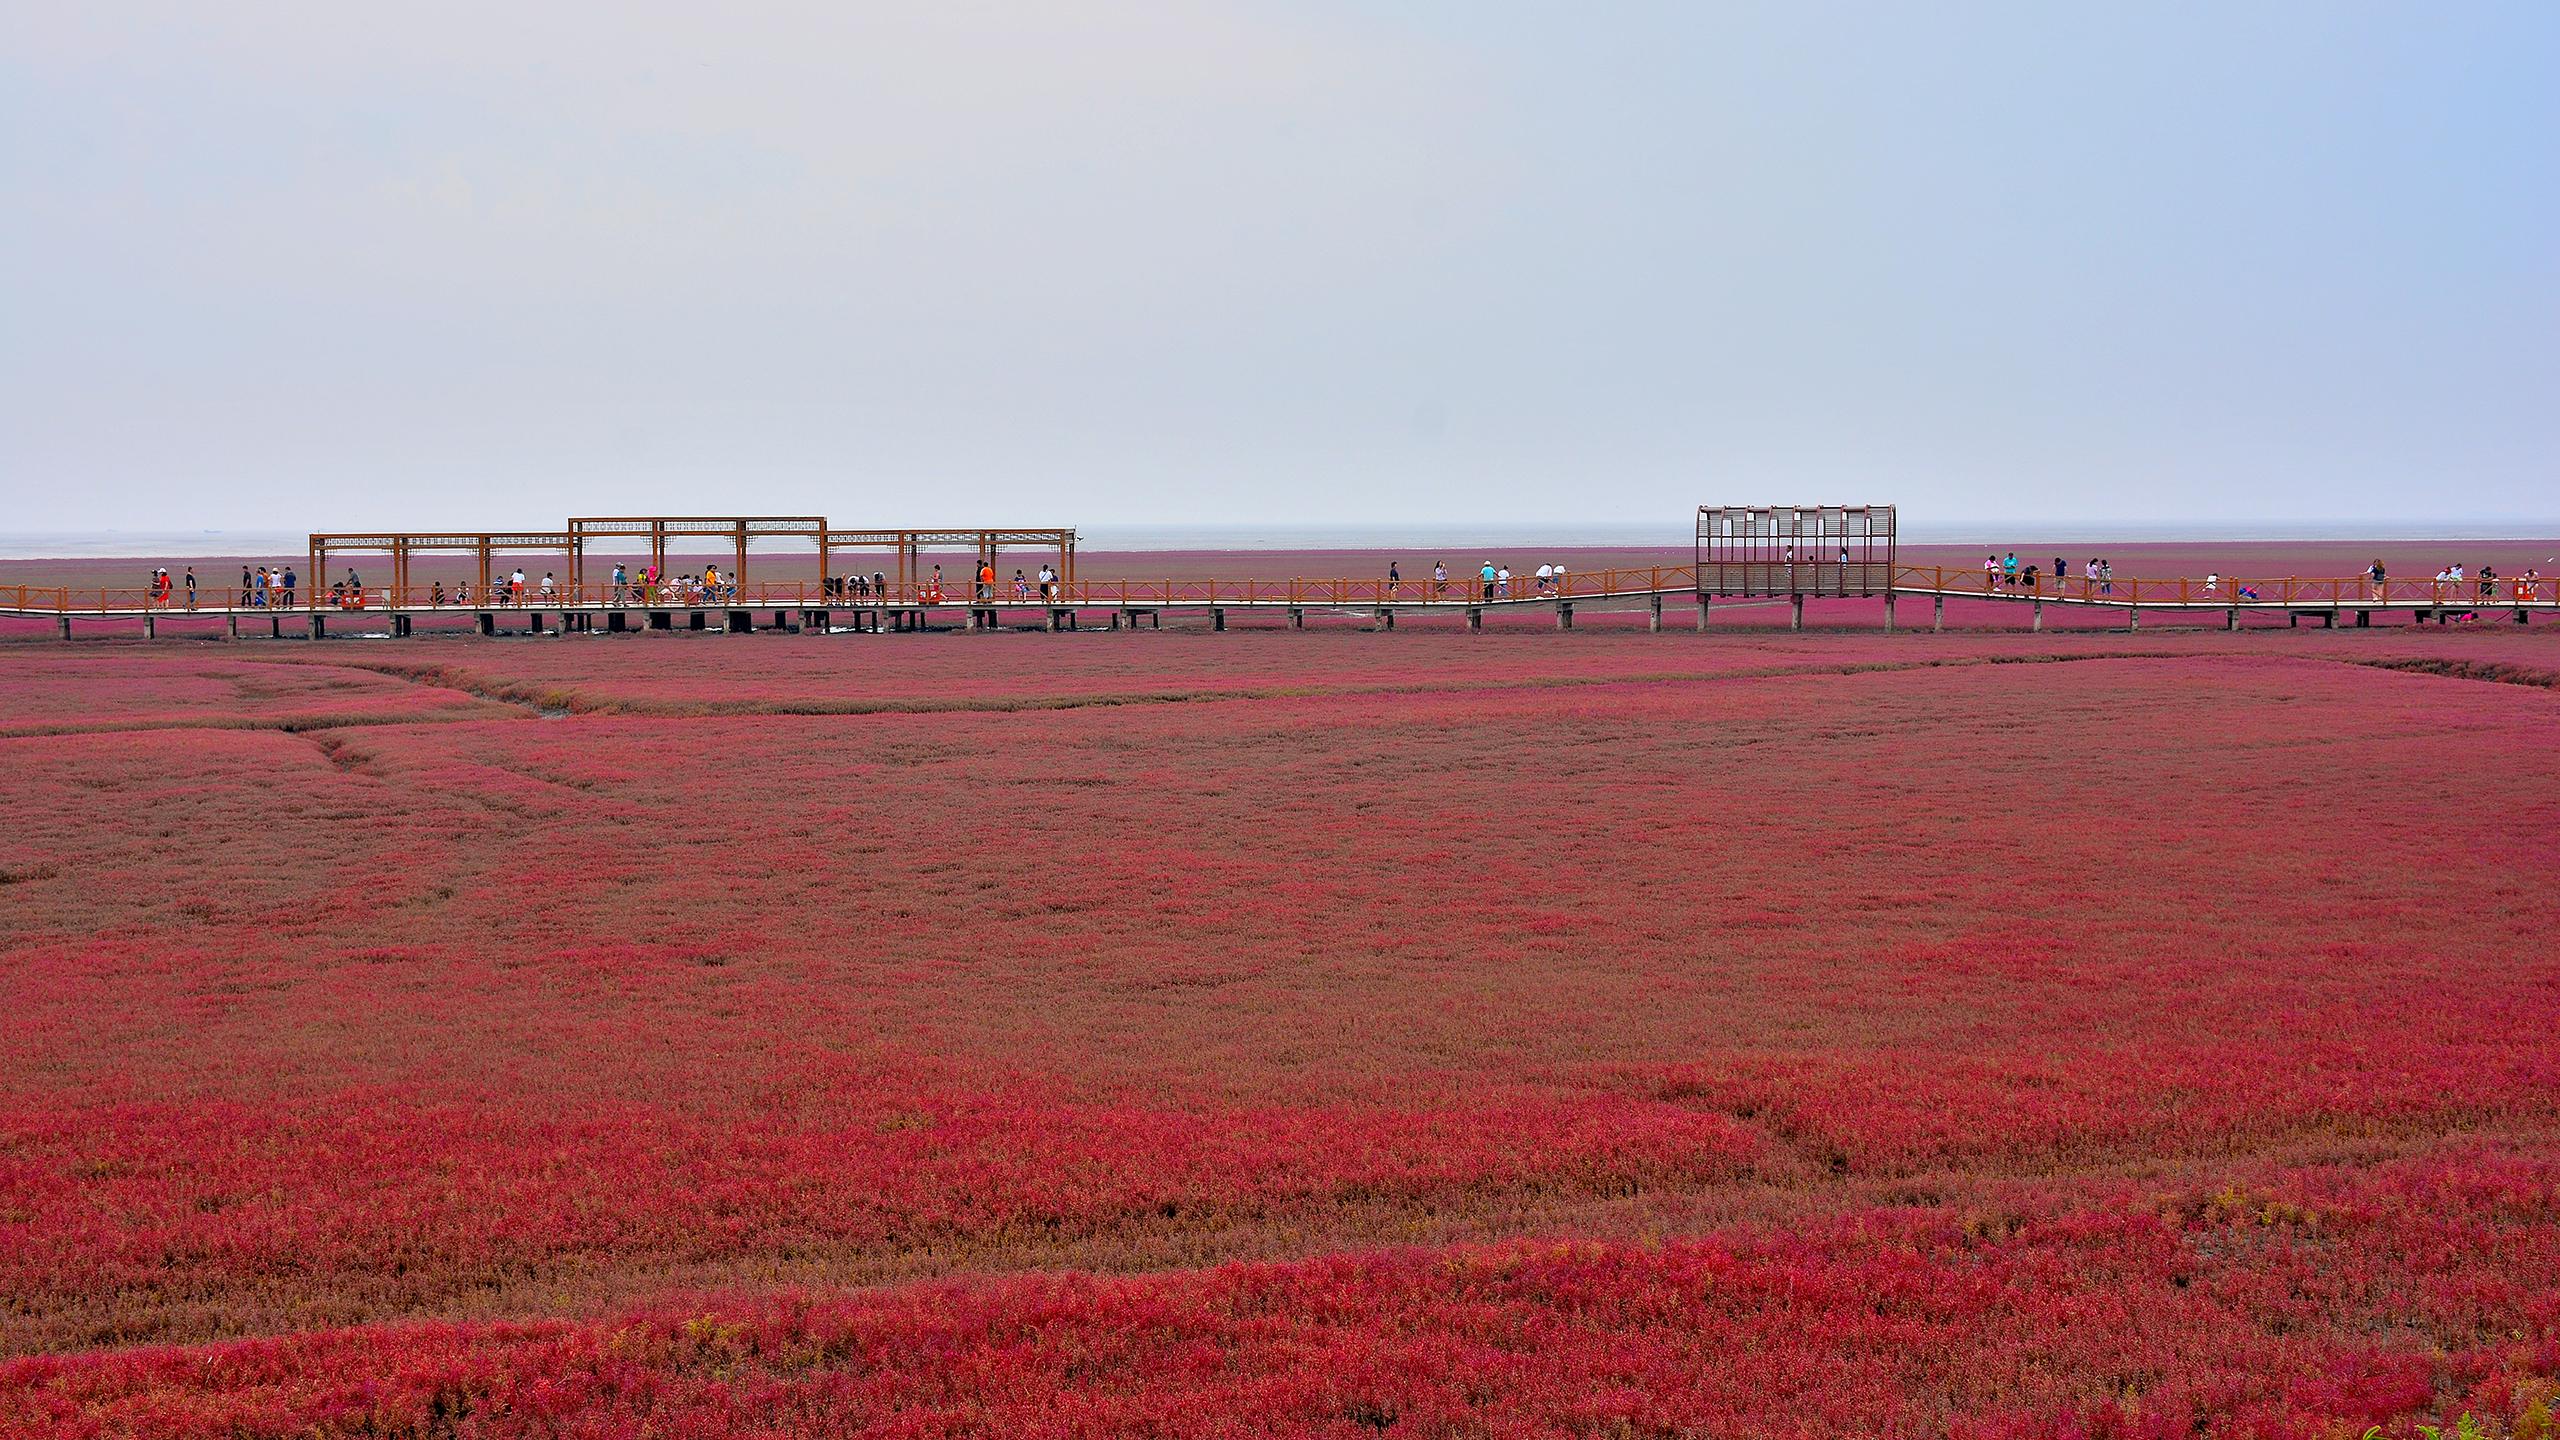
<point x="195" y="544"/>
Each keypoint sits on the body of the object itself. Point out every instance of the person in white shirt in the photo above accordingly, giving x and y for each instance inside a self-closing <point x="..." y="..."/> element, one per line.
<point x="1546" y="577"/>
<point x="548" y="589"/>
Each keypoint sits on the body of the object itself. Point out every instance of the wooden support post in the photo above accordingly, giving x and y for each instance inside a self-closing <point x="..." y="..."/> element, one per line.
<point x="150" y="627"/>
<point x="1937" y="612"/>
<point x="319" y="627"/>
<point x="2293" y="619"/>
<point x="1475" y="617"/>
<point x="2364" y="619"/>
<point x="1702" y="613"/>
<point x="2038" y="623"/>
<point x="2231" y="618"/>
<point x="485" y="623"/>
<point x="1386" y="618"/>
<point x="2133" y="617"/>
<point x="1217" y="617"/>
<point x="234" y="625"/>
<point x="1888" y="612"/>
<point x="1297" y="618"/>
<point x="1564" y="615"/>
<point x="1654" y="622"/>
<point x="63" y="627"/>
<point x="1795" y="616"/>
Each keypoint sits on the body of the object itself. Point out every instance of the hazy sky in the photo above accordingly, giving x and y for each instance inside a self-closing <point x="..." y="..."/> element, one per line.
<point x="339" y="265"/>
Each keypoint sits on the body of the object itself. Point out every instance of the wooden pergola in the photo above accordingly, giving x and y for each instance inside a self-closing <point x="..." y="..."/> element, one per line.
<point x="737" y="531"/>
<point x="910" y="546"/>
<point x="400" y="545"/>
<point x="1796" y="549"/>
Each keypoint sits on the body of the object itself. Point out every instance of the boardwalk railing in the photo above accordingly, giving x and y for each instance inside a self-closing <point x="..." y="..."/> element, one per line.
<point x="1458" y="591"/>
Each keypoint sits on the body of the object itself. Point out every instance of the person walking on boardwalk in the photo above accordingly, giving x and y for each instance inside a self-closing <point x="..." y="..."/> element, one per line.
<point x="191" y="587"/>
<point x="2488" y="582"/>
<point x="292" y="582"/>
<point x="1439" y="579"/>
<point x="2009" y="569"/>
<point x="1395" y="580"/>
<point x="1502" y="582"/>
<point x="2106" y="577"/>
<point x="1546" y="576"/>
<point x="1486" y="575"/>
<point x="2379" y="578"/>
<point x="621" y="584"/>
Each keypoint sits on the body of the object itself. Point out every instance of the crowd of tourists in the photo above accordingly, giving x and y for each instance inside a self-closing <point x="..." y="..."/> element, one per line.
<point x="1493" y="581"/>
<point x="2008" y="572"/>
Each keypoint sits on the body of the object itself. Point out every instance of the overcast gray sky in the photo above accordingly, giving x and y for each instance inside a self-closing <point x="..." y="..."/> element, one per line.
<point x="318" y="265"/>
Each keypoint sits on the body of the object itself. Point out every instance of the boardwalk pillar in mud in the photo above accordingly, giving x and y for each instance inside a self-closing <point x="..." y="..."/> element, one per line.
<point x="150" y="627"/>
<point x="2038" y="623"/>
<point x="1386" y="618"/>
<point x="1795" y="612"/>
<point x="1702" y="614"/>
<point x="63" y="627"/>
<point x="2231" y="618"/>
<point x="485" y="623"/>
<point x="1297" y="618"/>
<point x="1888" y="612"/>
<point x="1564" y="614"/>
<point x="2132" y="618"/>
<point x="1475" y="619"/>
<point x="319" y="627"/>
<point x="234" y="626"/>
<point x="1937" y="612"/>
<point x="1656" y="625"/>
<point x="1218" y="617"/>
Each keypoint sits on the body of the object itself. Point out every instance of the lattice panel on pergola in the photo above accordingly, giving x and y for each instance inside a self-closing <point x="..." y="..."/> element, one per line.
<point x="1795" y="549"/>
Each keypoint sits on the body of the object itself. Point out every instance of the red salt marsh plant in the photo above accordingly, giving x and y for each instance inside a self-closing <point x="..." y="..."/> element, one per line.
<point x="56" y="689"/>
<point x="2117" y="1317"/>
<point x="1971" y="1025"/>
<point x="849" y="674"/>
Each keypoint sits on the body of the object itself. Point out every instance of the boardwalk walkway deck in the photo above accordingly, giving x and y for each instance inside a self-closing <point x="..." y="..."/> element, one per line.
<point x="1071" y="604"/>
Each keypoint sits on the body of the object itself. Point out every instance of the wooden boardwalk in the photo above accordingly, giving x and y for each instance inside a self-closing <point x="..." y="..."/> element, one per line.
<point x="1071" y="604"/>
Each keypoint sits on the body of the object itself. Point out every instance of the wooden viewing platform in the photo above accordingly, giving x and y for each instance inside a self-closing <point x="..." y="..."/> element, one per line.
<point x="895" y="606"/>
